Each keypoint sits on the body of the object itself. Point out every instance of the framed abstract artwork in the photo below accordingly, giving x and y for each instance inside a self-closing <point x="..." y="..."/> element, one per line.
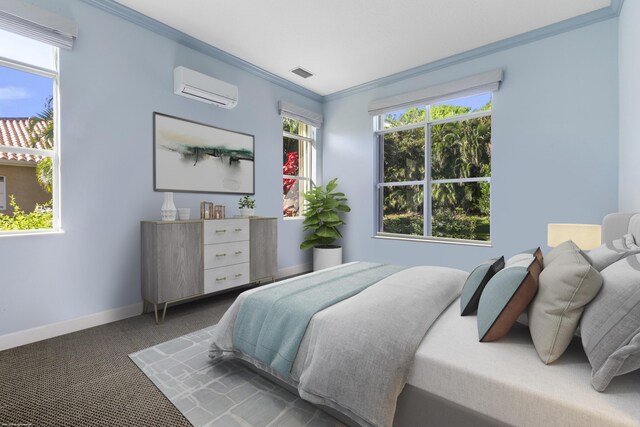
<point x="194" y="157"/>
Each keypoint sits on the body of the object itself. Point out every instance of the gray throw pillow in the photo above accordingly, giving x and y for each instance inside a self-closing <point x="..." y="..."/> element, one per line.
<point x="608" y="253"/>
<point x="565" y="286"/>
<point x="610" y="325"/>
<point x="506" y="296"/>
<point x="475" y="284"/>
<point x="563" y="247"/>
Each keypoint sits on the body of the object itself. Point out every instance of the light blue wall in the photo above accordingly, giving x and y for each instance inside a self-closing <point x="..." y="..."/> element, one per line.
<point x="117" y="75"/>
<point x="555" y="147"/>
<point x="629" y="63"/>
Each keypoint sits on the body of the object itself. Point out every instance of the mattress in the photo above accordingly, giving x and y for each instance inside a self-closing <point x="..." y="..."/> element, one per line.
<point x="507" y="381"/>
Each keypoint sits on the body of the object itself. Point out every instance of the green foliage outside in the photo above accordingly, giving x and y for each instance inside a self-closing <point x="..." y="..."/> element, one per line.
<point x="43" y="135"/>
<point x="44" y="174"/>
<point x="322" y="215"/>
<point x="459" y="149"/>
<point x="445" y="224"/>
<point x="41" y="217"/>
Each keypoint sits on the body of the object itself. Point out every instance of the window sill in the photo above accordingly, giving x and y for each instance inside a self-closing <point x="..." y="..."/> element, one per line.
<point x="293" y="218"/>
<point x="441" y="240"/>
<point x="17" y="233"/>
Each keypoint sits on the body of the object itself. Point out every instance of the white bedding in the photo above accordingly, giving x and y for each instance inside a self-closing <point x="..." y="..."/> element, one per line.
<point x="507" y="381"/>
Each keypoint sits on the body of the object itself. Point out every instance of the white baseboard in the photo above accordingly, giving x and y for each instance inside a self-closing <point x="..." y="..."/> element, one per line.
<point x="294" y="270"/>
<point x="28" y="336"/>
<point x="16" y="339"/>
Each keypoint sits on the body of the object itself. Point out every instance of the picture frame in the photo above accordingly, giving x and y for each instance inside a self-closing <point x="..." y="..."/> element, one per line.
<point x="193" y="157"/>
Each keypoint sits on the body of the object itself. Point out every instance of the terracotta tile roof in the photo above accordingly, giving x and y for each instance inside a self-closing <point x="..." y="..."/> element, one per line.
<point x="14" y="133"/>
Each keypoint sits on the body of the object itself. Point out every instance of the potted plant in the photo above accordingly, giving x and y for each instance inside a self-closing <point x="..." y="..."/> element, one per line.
<point x="247" y="206"/>
<point x="322" y="215"/>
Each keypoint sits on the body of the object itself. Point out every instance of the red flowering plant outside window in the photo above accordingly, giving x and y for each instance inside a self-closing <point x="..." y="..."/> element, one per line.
<point x="297" y="163"/>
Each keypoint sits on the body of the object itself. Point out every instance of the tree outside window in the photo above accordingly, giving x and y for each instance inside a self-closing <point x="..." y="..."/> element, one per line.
<point x="435" y="170"/>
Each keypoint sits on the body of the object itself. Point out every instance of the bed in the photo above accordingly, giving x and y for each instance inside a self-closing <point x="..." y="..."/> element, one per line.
<point x="451" y="378"/>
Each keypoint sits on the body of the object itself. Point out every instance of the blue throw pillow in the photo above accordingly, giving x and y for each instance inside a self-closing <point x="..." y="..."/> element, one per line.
<point x="475" y="284"/>
<point x="506" y="296"/>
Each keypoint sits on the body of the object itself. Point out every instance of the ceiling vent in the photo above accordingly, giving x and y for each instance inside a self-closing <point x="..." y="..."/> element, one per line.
<point x="203" y="88"/>
<point x="301" y="72"/>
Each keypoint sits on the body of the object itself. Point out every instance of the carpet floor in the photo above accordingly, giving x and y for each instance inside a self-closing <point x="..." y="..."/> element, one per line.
<point x="86" y="378"/>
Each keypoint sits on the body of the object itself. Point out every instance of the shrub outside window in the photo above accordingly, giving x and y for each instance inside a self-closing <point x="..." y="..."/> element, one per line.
<point x="435" y="170"/>
<point x="298" y="145"/>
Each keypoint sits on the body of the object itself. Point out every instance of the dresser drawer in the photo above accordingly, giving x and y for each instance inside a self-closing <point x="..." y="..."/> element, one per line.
<point x="225" y="230"/>
<point x="222" y="254"/>
<point x="221" y="278"/>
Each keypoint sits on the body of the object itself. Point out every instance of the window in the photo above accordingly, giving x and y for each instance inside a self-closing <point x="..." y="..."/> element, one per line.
<point x="28" y="146"/>
<point x="3" y="193"/>
<point x="298" y="143"/>
<point x="435" y="170"/>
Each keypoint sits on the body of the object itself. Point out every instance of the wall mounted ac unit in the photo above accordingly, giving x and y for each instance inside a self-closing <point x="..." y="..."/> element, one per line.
<point x="201" y="87"/>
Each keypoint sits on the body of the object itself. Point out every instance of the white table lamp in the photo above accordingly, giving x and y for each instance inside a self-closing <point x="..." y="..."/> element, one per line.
<point x="586" y="236"/>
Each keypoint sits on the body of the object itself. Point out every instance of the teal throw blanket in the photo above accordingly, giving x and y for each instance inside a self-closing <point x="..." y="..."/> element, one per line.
<point x="272" y="322"/>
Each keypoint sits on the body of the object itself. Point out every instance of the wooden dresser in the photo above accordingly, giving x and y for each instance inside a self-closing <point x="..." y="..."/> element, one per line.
<point x="186" y="259"/>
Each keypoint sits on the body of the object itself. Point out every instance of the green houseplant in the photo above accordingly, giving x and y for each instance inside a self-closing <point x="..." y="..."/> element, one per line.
<point x="247" y="206"/>
<point x="323" y="206"/>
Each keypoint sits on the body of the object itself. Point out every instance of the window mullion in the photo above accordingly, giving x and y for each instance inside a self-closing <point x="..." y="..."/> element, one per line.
<point x="400" y="128"/>
<point x="25" y="150"/>
<point x="428" y="203"/>
<point x="380" y="189"/>
<point x="298" y="137"/>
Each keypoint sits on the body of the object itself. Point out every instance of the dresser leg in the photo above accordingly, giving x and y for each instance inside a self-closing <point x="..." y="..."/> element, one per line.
<point x="144" y="306"/>
<point x="164" y="311"/>
<point x="155" y="312"/>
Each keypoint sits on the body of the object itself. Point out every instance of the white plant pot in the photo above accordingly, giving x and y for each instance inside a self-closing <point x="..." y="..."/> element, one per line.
<point x="326" y="257"/>
<point x="246" y="212"/>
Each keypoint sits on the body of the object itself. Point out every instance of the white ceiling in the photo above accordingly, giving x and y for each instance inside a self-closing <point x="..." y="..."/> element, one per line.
<point x="346" y="43"/>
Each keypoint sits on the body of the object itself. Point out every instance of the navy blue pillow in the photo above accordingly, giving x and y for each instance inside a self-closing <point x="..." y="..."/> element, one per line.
<point x="475" y="284"/>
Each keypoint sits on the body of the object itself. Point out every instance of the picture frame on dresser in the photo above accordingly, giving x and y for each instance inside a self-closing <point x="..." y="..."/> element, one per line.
<point x="190" y="156"/>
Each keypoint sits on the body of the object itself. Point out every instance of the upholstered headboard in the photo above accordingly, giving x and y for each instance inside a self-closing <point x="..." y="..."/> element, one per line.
<point x="616" y="225"/>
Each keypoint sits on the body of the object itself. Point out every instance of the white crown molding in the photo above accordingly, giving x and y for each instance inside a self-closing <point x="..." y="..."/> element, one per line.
<point x="596" y="16"/>
<point x="157" y="27"/>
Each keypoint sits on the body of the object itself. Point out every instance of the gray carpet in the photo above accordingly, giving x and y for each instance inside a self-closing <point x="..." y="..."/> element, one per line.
<point x="86" y="378"/>
<point x="222" y="393"/>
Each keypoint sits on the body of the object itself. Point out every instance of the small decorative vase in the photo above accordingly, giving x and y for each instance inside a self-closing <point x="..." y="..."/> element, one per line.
<point x="168" y="210"/>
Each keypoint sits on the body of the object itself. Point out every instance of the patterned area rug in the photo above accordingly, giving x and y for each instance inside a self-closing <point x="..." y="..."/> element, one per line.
<point x="223" y="393"/>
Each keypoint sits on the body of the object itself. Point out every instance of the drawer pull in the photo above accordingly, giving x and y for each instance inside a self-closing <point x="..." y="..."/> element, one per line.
<point x="220" y="279"/>
<point x="238" y="229"/>
<point x="221" y="254"/>
<point x="238" y="252"/>
<point x="239" y="275"/>
<point x="221" y="231"/>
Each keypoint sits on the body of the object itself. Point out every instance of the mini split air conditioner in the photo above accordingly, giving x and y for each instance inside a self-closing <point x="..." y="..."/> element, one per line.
<point x="201" y="87"/>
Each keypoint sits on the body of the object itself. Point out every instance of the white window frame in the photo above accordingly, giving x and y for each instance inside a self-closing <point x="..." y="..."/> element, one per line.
<point x="54" y="153"/>
<point x="310" y="159"/>
<point x="427" y="183"/>
<point x="3" y="194"/>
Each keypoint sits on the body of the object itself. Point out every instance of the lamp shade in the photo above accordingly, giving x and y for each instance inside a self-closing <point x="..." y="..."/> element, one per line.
<point x="586" y="236"/>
